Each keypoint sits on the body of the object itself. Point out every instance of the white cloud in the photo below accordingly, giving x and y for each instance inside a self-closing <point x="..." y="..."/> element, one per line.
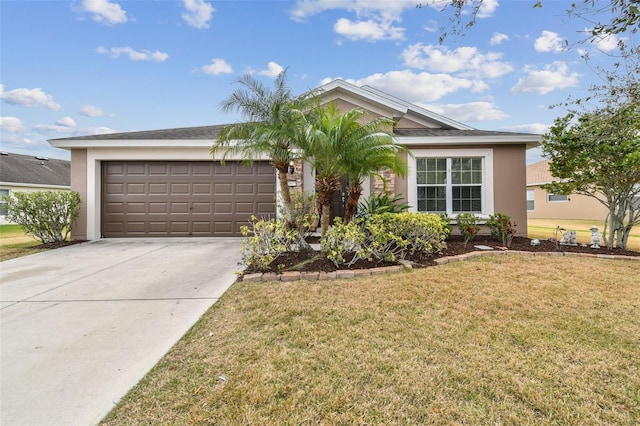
<point x="29" y="97"/>
<point x="487" y="8"/>
<point x="467" y="61"/>
<point x="94" y="111"/>
<point x="536" y="128"/>
<point x="273" y="70"/>
<point x="305" y="8"/>
<point x="198" y="13"/>
<point x="605" y="43"/>
<point x="472" y="111"/>
<point x="370" y="30"/>
<point x="553" y="77"/>
<point x="12" y="125"/>
<point x="66" y="122"/>
<point x="216" y="67"/>
<point x="374" y="19"/>
<point x="104" y="11"/>
<point x="549" y="41"/>
<point x="498" y="38"/>
<point x="421" y="87"/>
<point x="134" y="55"/>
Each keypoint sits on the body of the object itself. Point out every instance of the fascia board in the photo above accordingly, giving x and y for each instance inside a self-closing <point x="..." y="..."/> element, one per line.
<point x="531" y="141"/>
<point x="419" y="110"/>
<point x="131" y="143"/>
<point x="34" y="185"/>
<point x="365" y="94"/>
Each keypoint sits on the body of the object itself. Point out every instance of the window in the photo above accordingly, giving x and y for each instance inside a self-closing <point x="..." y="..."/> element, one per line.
<point x="3" y="204"/>
<point x="552" y="198"/>
<point x="531" y="199"/>
<point x="449" y="184"/>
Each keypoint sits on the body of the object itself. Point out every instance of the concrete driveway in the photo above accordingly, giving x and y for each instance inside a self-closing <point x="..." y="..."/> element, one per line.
<point x="81" y="325"/>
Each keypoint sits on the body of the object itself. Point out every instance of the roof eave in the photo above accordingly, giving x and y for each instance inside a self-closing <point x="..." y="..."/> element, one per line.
<point x="531" y="141"/>
<point x="130" y="143"/>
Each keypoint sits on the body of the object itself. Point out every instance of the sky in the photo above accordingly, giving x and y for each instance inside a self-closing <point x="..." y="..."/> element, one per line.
<point x="84" y="67"/>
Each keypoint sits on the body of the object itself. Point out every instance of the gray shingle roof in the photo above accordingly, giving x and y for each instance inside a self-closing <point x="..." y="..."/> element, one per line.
<point x="211" y="132"/>
<point x="20" y="168"/>
<point x="182" y="133"/>
<point x="453" y="133"/>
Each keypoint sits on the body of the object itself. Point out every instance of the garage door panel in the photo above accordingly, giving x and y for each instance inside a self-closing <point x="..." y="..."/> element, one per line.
<point x="135" y="188"/>
<point x="223" y="188"/>
<point x="245" y="189"/>
<point x="184" y="198"/>
<point x="134" y="169"/>
<point x="202" y="189"/>
<point x="201" y="208"/>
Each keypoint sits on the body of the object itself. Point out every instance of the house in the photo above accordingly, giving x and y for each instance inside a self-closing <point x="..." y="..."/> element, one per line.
<point x="26" y="173"/>
<point x="165" y="183"/>
<point x="542" y="204"/>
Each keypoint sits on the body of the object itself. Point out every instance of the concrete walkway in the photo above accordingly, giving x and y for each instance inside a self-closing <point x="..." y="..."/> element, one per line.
<point x="81" y="325"/>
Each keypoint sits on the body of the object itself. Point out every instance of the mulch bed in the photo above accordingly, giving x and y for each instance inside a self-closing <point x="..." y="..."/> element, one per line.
<point x="57" y="244"/>
<point x="315" y="261"/>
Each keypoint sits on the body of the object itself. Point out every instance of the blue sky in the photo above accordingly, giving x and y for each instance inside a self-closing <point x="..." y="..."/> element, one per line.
<point x="81" y="67"/>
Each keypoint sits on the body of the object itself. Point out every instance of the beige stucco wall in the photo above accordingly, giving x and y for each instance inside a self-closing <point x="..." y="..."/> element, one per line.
<point x="79" y="184"/>
<point x="578" y="207"/>
<point x="510" y="181"/>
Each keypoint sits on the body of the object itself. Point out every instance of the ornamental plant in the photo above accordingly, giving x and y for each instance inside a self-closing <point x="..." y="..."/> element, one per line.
<point x="344" y="244"/>
<point x="266" y="240"/>
<point x="468" y="226"/>
<point x="502" y="228"/>
<point x="392" y="236"/>
<point x="48" y="216"/>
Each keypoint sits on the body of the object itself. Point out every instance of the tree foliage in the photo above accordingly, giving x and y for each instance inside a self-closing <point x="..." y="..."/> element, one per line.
<point x="272" y="119"/>
<point x="347" y="144"/>
<point x="624" y="15"/>
<point x="597" y="154"/>
<point x="47" y="215"/>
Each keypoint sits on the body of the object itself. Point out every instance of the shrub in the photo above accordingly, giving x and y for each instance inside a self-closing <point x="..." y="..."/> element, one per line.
<point x="47" y="215"/>
<point x="385" y="237"/>
<point x="502" y="228"/>
<point x="302" y="217"/>
<point x="344" y="244"/>
<point x="266" y="241"/>
<point x="394" y="236"/>
<point x="468" y="225"/>
<point x="381" y="203"/>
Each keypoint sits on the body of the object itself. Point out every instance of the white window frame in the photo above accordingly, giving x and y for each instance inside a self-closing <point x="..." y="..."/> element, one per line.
<point x="549" y="200"/>
<point x="531" y="196"/>
<point x="487" y="176"/>
<point x="2" y="202"/>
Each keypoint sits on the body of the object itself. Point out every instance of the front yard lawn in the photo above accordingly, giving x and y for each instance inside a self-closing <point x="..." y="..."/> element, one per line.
<point x="15" y="243"/>
<point x="494" y="340"/>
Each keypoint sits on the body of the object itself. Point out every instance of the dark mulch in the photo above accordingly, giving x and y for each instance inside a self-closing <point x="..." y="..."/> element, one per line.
<point x="57" y="244"/>
<point x="300" y="261"/>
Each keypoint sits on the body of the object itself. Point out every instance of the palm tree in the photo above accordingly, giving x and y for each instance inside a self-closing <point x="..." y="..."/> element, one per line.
<point x="273" y="119"/>
<point x="370" y="152"/>
<point x="338" y="144"/>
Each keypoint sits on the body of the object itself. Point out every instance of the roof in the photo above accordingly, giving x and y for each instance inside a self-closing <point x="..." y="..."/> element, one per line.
<point x="538" y="173"/>
<point x="27" y="169"/>
<point x="181" y="133"/>
<point x="448" y="132"/>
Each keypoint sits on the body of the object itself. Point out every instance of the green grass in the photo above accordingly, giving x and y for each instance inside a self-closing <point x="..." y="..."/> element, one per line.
<point x="15" y="243"/>
<point x="545" y="228"/>
<point x="495" y="340"/>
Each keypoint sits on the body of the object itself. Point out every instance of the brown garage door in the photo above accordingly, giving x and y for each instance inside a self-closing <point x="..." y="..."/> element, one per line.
<point x="201" y="198"/>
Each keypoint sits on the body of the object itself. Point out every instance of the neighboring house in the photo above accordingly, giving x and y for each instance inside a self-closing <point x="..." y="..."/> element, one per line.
<point x="25" y="173"/>
<point x="165" y="183"/>
<point x="542" y="204"/>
